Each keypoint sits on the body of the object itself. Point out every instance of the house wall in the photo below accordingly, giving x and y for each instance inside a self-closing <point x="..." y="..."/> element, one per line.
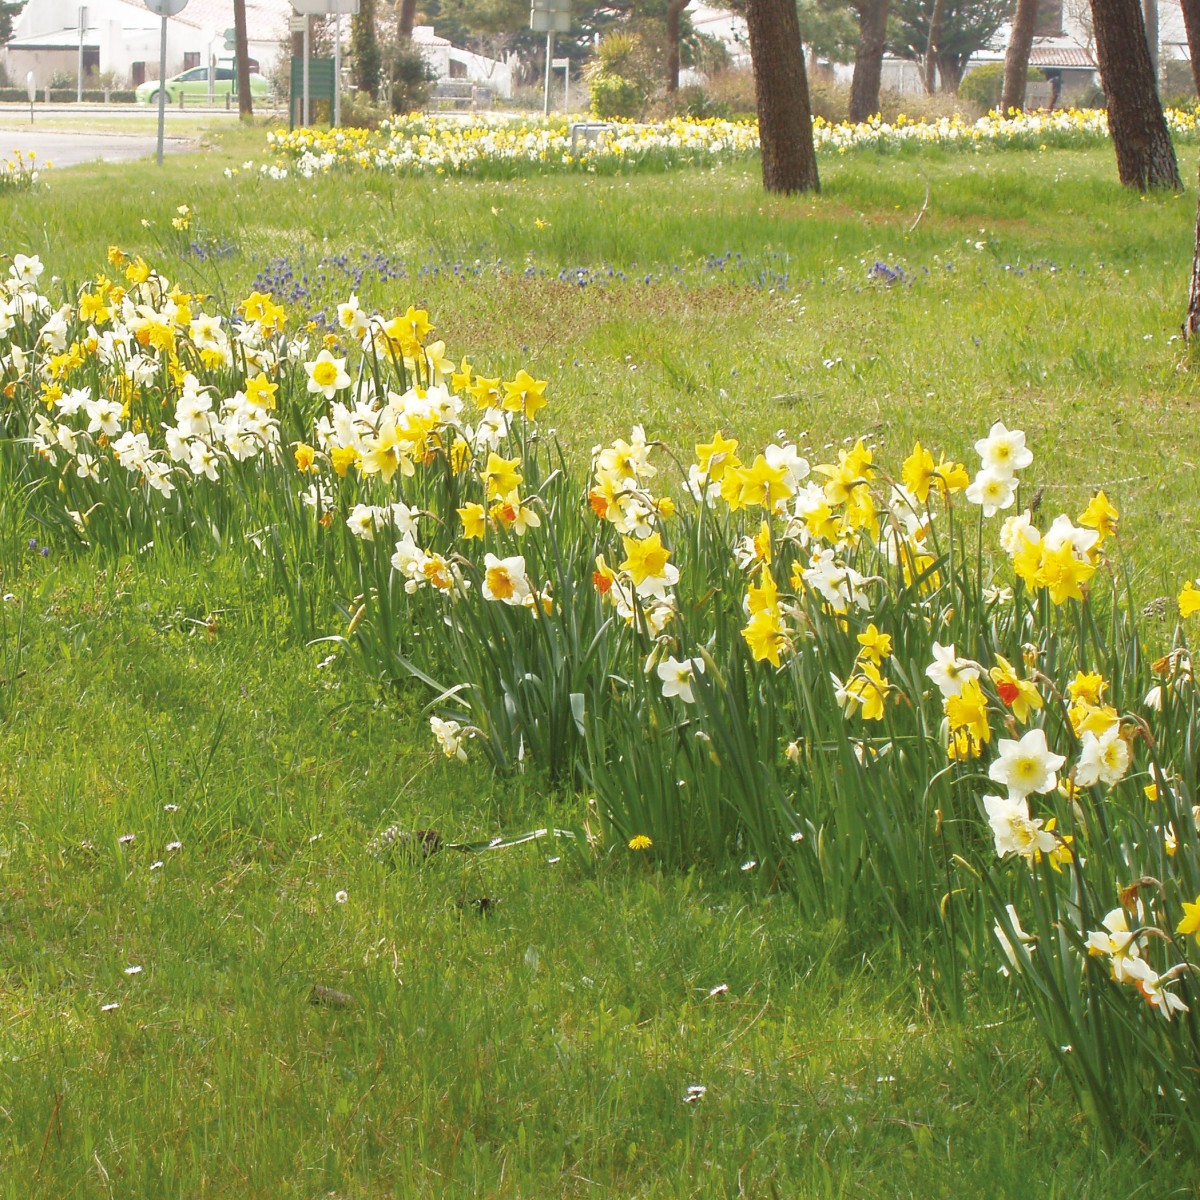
<point x="125" y="34"/>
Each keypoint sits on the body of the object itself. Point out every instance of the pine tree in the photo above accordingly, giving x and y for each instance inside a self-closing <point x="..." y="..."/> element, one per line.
<point x="789" y="160"/>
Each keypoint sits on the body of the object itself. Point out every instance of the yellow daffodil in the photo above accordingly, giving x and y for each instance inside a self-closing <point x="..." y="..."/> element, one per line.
<point x="501" y="475"/>
<point x="474" y="520"/>
<point x="766" y="636"/>
<point x="524" y="394"/>
<point x="967" y="721"/>
<point x="713" y="458"/>
<point x="486" y="392"/>
<point x="869" y="690"/>
<point x="1019" y="694"/>
<point x="1189" y="600"/>
<point x="343" y="458"/>
<point x="1100" y="516"/>
<point x="1190" y="924"/>
<point x="917" y="472"/>
<point x="876" y="646"/>
<point x="645" y="558"/>
<point x="1089" y="688"/>
<point x="261" y="391"/>
<point x="1064" y="575"/>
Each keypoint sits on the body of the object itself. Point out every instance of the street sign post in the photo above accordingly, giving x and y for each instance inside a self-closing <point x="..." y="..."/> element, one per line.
<point x="564" y="65"/>
<point x="79" y="69"/>
<point x="550" y="17"/>
<point x="163" y="9"/>
<point x="326" y="8"/>
<point x="31" y="89"/>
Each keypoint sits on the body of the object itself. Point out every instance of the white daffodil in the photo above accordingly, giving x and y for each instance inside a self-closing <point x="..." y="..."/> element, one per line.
<point x="1027" y="765"/>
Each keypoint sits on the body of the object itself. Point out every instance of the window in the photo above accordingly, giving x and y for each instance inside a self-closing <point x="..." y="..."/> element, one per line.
<point x="196" y="75"/>
<point x="191" y="59"/>
<point x="137" y="73"/>
<point x="225" y="73"/>
<point x="458" y="70"/>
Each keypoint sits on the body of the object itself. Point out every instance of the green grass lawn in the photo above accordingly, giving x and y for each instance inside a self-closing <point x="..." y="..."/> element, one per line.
<point x="545" y="1044"/>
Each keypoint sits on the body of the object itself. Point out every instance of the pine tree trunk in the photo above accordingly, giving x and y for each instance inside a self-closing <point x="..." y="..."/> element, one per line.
<point x="868" y="62"/>
<point x="1191" y="23"/>
<point x="1150" y="17"/>
<point x="242" y="66"/>
<point x="789" y="161"/>
<point x="931" y="48"/>
<point x="365" y="44"/>
<point x="949" y="73"/>
<point x="674" y="12"/>
<point x="1191" y="323"/>
<point x="408" y="14"/>
<point x="1016" y="61"/>
<point x="1145" y="155"/>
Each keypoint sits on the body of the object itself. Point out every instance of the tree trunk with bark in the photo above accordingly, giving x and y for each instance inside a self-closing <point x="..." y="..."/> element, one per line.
<point x="674" y="12"/>
<point x="931" y="48"/>
<point x="949" y="73"/>
<point x="408" y="15"/>
<point x="1150" y="17"/>
<point x="1191" y="322"/>
<point x="868" y="61"/>
<point x="242" y="65"/>
<point x="789" y="160"/>
<point x="1145" y="155"/>
<point x="364" y="42"/>
<point x="1191" y="24"/>
<point x="1016" y="60"/>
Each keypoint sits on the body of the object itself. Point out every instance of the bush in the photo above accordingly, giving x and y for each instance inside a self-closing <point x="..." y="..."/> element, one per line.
<point x="733" y="91"/>
<point x="410" y="77"/>
<point x="984" y="85"/>
<point x="18" y="95"/>
<point x="693" y="101"/>
<point x="616" y="96"/>
<point x="621" y="77"/>
<point x="359" y="111"/>
<point x="1179" y="85"/>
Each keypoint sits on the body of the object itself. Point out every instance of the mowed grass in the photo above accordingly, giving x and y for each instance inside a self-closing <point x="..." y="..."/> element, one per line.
<point x="545" y="1046"/>
<point x="542" y="1047"/>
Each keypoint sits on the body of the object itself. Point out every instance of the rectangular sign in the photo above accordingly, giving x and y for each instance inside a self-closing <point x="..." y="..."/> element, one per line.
<point x="543" y="21"/>
<point x="324" y="8"/>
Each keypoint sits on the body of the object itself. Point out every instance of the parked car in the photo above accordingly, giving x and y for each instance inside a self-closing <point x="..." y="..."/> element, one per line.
<point x="195" y="83"/>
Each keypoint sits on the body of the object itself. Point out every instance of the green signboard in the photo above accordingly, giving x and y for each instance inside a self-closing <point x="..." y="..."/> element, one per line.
<point x="320" y="92"/>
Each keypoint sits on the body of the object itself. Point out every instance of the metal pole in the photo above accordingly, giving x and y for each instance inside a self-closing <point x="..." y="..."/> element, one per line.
<point x="567" y="87"/>
<point x="304" y="84"/>
<point x="549" y="60"/>
<point x="79" y="77"/>
<point x="337" y="70"/>
<point x="162" y="89"/>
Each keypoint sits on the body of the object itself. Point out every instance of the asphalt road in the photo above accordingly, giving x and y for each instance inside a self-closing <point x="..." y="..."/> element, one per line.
<point x="68" y="149"/>
<point x="74" y="138"/>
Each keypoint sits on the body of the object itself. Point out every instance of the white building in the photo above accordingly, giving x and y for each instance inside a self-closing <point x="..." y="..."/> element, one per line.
<point x="451" y="63"/>
<point x="122" y="37"/>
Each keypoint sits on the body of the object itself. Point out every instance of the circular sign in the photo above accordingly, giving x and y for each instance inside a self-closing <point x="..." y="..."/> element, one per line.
<point x="166" y="8"/>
